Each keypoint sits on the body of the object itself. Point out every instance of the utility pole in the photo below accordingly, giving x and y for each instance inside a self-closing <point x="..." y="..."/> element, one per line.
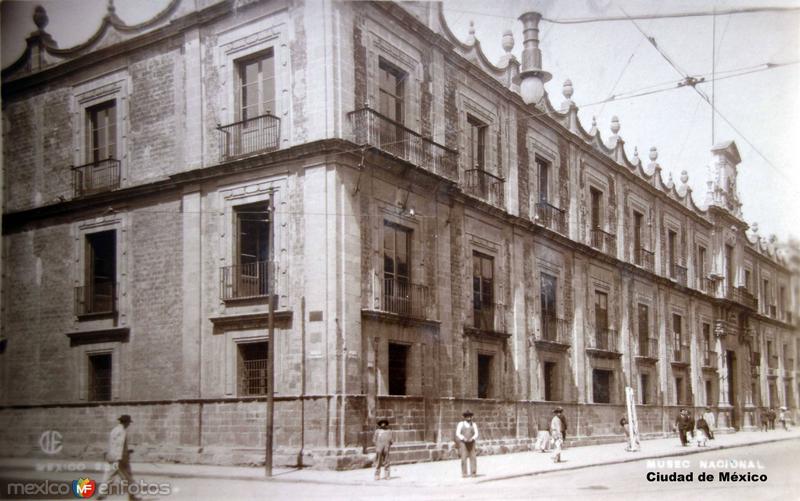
<point x="270" y="339"/>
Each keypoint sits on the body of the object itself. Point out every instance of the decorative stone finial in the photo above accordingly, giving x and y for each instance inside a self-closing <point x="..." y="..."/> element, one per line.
<point x="614" y="125"/>
<point x="773" y="239"/>
<point x="684" y="177"/>
<point x="567" y="89"/>
<point x="594" y="121"/>
<point x="110" y="7"/>
<point x="508" y="41"/>
<point x="40" y="18"/>
<point x="669" y="178"/>
<point x="754" y="228"/>
<point x="653" y="153"/>
<point x="471" y="37"/>
<point x="636" y="154"/>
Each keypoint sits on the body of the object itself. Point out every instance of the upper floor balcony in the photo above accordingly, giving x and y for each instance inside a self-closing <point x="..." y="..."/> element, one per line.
<point x="484" y="185"/>
<point x="96" y="177"/>
<point x="551" y="217"/>
<point x="680" y="354"/>
<point x="647" y="348"/>
<point x="644" y="258"/>
<point x="603" y="241"/>
<point x="376" y="130"/>
<point x="742" y="296"/>
<point x="678" y="272"/>
<point x="710" y="359"/>
<point x="406" y="299"/>
<point x="554" y="330"/>
<point x="98" y="298"/>
<point x="604" y="339"/>
<point x="260" y="134"/>
<point x="488" y="317"/>
<point x="705" y="284"/>
<point x="245" y="281"/>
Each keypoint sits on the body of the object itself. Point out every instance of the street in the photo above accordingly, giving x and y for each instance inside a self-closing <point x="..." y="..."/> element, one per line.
<point x="777" y="460"/>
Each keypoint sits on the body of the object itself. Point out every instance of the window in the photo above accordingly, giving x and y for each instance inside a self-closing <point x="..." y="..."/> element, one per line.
<point x="100" y="377"/>
<point x="597" y="204"/>
<point x="701" y="265"/>
<point x="679" y="391"/>
<point x="253" y="368"/>
<point x="601" y="386"/>
<point x="644" y="389"/>
<point x="644" y="331"/>
<point x="101" y="132"/>
<point x="391" y="91"/>
<point x="748" y="284"/>
<point x="256" y="86"/>
<point x="709" y="392"/>
<point x="476" y="154"/>
<point x="398" y="368"/>
<point x="544" y="179"/>
<point x="101" y="274"/>
<point x="782" y="298"/>
<point x="550" y="381"/>
<point x="766" y="295"/>
<point x="483" y="291"/>
<point x="671" y="237"/>
<point x="547" y="295"/>
<point x="677" y="335"/>
<point x="729" y="273"/>
<point x="602" y="336"/>
<point x="707" y="345"/>
<point x="396" y="269"/>
<point x="251" y="272"/>
<point x="637" y="237"/>
<point x="485" y="363"/>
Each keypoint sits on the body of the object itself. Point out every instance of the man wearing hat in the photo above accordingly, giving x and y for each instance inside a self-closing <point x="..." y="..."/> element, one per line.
<point x="118" y="457"/>
<point x="556" y="429"/>
<point x="467" y="434"/>
<point x="383" y="441"/>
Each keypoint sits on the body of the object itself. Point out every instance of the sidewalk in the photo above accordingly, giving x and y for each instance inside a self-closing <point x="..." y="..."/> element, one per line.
<point x="431" y="474"/>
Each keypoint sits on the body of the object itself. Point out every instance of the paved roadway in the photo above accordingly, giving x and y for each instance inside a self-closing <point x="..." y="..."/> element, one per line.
<point x="620" y="482"/>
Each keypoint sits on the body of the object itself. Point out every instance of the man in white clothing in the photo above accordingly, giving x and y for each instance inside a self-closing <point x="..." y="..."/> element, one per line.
<point x="467" y="434"/>
<point x="118" y="456"/>
<point x="711" y="421"/>
<point x="556" y="434"/>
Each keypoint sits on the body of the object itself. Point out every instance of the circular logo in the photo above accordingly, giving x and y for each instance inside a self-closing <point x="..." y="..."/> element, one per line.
<point x="51" y="442"/>
<point x="84" y="487"/>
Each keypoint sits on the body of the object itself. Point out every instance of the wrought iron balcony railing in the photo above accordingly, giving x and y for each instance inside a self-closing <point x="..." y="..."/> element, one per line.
<point x="379" y="131"/>
<point x="705" y="284"/>
<point x="245" y="281"/>
<point x="680" y="354"/>
<point x="405" y="299"/>
<point x="603" y="241"/>
<point x="488" y="317"/>
<point x="710" y="359"/>
<point x="604" y="339"/>
<point x="647" y="347"/>
<point x="554" y="330"/>
<point x="742" y="296"/>
<point x="679" y="273"/>
<point x="484" y="185"/>
<point x="644" y="258"/>
<point x="551" y="217"/>
<point x="247" y="137"/>
<point x="96" y="177"/>
<point x="98" y="298"/>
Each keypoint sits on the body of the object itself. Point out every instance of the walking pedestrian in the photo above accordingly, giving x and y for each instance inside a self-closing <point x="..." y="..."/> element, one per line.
<point x="684" y="425"/>
<point x="118" y="457"/>
<point x="782" y="418"/>
<point x="764" y="419"/>
<point x="701" y="432"/>
<point x="563" y="419"/>
<point x="383" y="442"/>
<point x="771" y="415"/>
<point x="556" y="435"/>
<point x="467" y="434"/>
<point x="711" y="421"/>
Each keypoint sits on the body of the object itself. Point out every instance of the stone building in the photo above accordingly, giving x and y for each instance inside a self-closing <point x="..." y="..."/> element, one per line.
<point x="441" y="240"/>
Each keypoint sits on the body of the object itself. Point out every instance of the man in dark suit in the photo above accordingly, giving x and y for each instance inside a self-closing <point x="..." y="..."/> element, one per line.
<point x="683" y="425"/>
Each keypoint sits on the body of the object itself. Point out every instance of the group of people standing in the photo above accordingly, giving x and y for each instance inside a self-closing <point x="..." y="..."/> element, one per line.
<point x="768" y="417"/>
<point x="701" y="430"/>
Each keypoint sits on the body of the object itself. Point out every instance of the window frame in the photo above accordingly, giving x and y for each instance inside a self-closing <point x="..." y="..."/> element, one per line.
<point x="483" y="315"/>
<point x="397" y="94"/>
<point x="240" y="67"/>
<point x="92" y="395"/>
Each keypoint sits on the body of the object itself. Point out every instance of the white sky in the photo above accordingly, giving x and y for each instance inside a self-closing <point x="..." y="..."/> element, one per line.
<point x="764" y="107"/>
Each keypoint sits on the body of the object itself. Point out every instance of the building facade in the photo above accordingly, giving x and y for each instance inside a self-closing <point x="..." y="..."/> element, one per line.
<point x="430" y="244"/>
